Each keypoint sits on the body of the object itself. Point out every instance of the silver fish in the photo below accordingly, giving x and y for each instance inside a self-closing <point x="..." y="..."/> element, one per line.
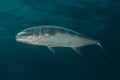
<point x="55" y="36"/>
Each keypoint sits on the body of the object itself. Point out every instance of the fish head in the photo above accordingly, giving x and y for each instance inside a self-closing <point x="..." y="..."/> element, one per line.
<point x="29" y="35"/>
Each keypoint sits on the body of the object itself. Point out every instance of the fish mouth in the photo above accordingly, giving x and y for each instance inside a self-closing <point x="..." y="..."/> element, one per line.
<point x="20" y="38"/>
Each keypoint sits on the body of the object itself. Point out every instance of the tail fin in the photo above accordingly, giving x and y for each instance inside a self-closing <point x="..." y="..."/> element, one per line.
<point x="100" y="45"/>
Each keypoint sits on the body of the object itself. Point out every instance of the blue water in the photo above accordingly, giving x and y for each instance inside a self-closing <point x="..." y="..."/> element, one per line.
<point x="98" y="19"/>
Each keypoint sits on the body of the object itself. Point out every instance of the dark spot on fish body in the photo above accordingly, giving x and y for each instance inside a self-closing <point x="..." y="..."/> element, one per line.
<point x="48" y="31"/>
<point x="36" y="33"/>
<point x="53" y="30"/>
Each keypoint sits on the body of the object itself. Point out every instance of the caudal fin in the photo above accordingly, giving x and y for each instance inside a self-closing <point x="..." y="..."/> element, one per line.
<point x="100" y="45"/>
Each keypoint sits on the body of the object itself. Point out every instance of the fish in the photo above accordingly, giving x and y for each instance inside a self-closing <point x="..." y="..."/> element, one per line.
<point x="55" y="36"/>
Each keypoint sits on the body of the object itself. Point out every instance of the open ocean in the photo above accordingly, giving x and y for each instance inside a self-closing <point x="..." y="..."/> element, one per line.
<point x="98" y="19"/>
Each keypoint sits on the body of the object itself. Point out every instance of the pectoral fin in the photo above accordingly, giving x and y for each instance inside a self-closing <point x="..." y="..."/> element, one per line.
<point x="51" y="49"/>
<point x="77" y="50"/>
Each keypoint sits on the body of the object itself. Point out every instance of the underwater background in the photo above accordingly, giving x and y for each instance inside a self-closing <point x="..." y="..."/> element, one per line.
<point x="98" y="19"/>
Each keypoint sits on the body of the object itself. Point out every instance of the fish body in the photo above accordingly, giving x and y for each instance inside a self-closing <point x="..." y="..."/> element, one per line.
<point x="54" y="36"/>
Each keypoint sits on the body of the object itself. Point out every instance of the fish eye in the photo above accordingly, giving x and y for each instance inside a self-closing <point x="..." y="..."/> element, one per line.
<point x="28" y="30"/>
